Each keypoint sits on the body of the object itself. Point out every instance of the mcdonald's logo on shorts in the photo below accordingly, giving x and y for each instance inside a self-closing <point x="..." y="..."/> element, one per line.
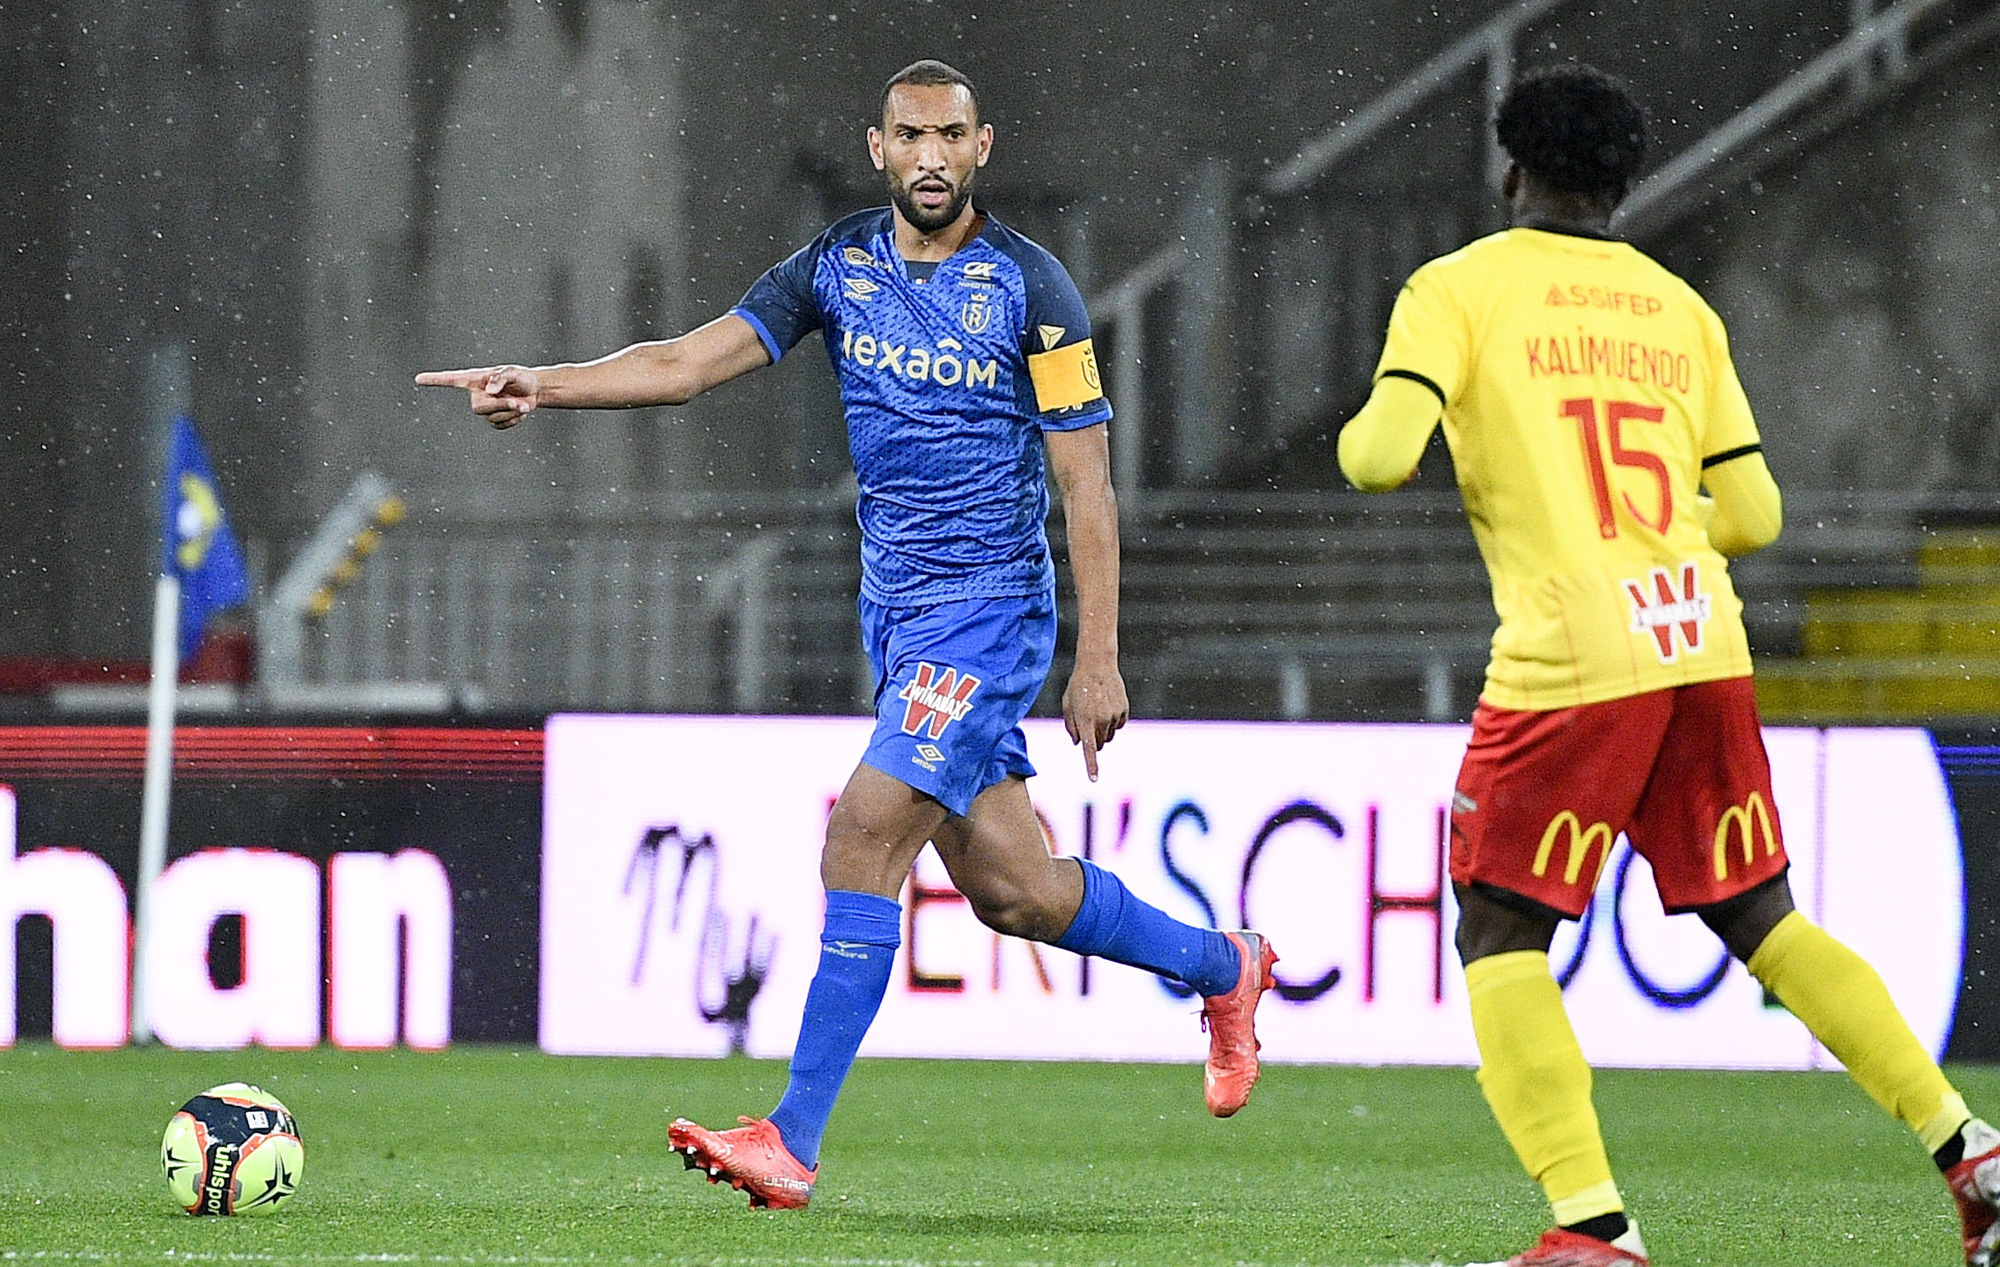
<point x="1737" y="820"/>
<point x="1581" y="839"/>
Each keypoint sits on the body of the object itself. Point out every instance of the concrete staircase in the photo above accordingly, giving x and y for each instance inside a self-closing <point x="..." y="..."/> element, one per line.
<point x="1921" y="654"/>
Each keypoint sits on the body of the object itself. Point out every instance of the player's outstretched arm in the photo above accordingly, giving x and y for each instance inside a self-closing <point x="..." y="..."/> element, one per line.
<point x="1749" y="510"/>
<point x="666" y="372"/>
<point x="1094" y="703"/>
<point x="1380" y="447"/>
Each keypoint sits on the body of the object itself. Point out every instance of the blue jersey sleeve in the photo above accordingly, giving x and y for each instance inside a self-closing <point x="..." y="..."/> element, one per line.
<point x="1062" y="364"/>
<point x="782" y="306"/>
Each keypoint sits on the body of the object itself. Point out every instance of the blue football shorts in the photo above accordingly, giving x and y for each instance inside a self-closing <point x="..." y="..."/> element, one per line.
<point x="952" y="683"/>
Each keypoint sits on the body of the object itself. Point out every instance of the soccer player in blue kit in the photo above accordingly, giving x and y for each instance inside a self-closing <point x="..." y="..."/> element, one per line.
<point x="963" y="354"/>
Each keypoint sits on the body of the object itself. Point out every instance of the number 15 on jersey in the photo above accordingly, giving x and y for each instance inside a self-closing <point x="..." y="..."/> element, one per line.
<point x="1596" y="441"/>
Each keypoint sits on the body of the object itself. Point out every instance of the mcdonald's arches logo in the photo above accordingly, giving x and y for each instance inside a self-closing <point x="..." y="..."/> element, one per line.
<point x="1737" y="819"/>
<point x="1581" y="839"/>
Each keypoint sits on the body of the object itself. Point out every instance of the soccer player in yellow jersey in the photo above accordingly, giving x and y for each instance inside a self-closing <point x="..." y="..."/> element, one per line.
<point x="1588" y="397"/>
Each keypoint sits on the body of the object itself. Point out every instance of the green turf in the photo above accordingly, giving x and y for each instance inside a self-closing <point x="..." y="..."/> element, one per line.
<point x="495" y="1156"/>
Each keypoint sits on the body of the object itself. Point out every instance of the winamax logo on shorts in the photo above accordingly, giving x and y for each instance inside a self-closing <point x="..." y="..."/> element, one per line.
<point x="937" y="698"/>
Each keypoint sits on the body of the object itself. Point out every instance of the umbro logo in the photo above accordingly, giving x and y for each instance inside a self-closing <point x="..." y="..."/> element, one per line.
<point x="929" y="756"/>
<point x="860" y="287"/>
<point x="1051" y="335"/>
<point x="980" y="270"/>
<point x="859" y="258"/>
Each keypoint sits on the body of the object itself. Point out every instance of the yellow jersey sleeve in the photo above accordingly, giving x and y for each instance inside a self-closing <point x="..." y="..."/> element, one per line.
<point x="1380" y="447"/>
<point x="1728" y="427"/>
<point x="1429" y="341"/>
<point x="1749" y="511"/>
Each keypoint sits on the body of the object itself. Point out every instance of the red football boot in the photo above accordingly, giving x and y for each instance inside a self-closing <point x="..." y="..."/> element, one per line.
<point x="1975" y="1186"/>
<point x="1560" y="1247"/>
<point x="752" y="1158"/>
<point x="1230" y="1020"/>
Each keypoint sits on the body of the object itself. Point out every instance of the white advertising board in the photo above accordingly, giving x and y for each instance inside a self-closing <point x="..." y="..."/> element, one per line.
<point x="681" y="902"/>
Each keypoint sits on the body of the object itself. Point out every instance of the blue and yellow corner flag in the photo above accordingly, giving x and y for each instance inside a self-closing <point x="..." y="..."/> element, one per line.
<point x="200" y="550"/>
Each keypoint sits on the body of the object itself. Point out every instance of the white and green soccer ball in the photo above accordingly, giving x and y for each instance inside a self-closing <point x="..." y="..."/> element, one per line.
<point x="233" y="1149"/>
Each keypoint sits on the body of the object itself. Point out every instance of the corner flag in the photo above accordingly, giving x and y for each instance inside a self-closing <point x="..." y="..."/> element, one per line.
<point x="201" y="573"/>
<point x="199" y="550"/>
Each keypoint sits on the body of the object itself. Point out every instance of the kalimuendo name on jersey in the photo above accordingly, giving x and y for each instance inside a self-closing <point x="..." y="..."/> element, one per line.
<point x="1565" y="355"/>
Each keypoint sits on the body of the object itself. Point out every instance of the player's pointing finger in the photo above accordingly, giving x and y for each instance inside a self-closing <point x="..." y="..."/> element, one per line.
<point x="450" y="378"/>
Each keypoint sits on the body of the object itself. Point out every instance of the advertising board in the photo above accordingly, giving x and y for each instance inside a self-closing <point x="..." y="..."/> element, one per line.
<point x="354" y="885"/>
<point x="680" y="901"/>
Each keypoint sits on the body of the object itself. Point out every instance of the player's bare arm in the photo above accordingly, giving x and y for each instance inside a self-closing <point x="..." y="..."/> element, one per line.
<point x="1094" y="703"/>
<point x="662" y="372"/>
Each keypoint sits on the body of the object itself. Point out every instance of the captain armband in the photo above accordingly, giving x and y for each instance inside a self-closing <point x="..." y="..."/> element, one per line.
<point x="1065" y="377"/>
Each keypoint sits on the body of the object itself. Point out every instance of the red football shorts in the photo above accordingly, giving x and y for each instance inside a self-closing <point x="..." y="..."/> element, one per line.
<point x="1682" y="772"/>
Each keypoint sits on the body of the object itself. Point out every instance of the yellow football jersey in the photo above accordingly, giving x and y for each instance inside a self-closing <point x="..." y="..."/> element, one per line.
<point x="1583" y="386"/>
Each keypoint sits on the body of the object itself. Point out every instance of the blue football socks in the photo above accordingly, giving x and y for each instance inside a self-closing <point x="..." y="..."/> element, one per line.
<point x="1112" y="924"/>
<point x="857" y="951"/>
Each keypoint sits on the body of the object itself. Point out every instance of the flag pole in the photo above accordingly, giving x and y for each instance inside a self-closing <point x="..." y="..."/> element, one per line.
<point x="170" y="389"/>
<point x="159" y="784"/>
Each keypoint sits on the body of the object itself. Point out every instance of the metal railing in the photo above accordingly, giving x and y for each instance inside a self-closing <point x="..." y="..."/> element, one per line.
<point x="1120" y="313"/>
<point x="1492" y="44"/>
<point x="716" y="610"/>
<point x="1275" y="606"/>
<point x="1884" y="50"/>
<point x="1319" y="252"/>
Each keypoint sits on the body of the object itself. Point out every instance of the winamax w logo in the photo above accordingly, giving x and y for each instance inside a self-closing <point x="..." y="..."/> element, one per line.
<point x="936" y="699"/>
<point x="1687" y="610"/>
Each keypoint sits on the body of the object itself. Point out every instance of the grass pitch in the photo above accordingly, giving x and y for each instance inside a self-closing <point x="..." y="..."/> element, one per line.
<point x="485" y="1155"/>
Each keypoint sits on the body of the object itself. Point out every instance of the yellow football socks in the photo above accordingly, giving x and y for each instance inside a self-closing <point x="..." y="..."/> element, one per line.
<point x="1844" y="1003"/>
<point x="1535" y="1077"/>
<point x="1538" y="1084"/>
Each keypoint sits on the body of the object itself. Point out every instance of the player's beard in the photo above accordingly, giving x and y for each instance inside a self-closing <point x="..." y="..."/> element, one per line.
<point x="928" y="219"/>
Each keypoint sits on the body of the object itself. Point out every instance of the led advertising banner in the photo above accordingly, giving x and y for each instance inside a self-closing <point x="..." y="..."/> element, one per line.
<point x="359" y="886"/>
<point x="658" y="892"/>
<point x="681" y="905"/>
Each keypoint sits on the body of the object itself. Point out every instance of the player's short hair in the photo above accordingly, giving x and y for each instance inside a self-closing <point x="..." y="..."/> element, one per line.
<point x="929" y="73"/>
<point x="1575" y="128"/>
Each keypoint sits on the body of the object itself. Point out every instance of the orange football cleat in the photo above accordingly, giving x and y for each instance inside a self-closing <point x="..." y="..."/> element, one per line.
<point x="1230" y="1020"/>
<point x="751" y="1158"/>
<point x="1975" y="1185"/>
<point x="1560" y="1247"/>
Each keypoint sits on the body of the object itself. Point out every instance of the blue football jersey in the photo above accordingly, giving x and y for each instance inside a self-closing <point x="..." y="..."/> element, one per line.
<point x="947" y="383"/>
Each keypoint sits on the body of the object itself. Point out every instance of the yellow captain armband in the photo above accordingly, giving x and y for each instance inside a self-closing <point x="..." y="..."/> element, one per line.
<point x="1065" y="377"/>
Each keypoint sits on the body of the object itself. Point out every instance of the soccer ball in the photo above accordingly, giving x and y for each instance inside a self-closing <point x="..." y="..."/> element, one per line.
<point x="233" y="1149"/>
